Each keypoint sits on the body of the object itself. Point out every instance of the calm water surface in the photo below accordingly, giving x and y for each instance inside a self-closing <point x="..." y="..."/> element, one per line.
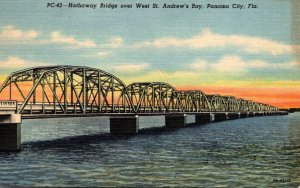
<point x="252" y="152"/>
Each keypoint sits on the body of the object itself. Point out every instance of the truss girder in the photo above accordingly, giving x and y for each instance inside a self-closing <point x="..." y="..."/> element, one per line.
<point x="68" y="89"/>
<point x="194" y="101"/>
<point x="217" y="102"/>
<point x="150" y="97"/>
<point x="231" y="104"/>
<point x="80" y="89"/>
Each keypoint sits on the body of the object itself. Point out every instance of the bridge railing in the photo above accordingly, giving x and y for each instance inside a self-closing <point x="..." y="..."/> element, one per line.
<point x="8" y="106"/>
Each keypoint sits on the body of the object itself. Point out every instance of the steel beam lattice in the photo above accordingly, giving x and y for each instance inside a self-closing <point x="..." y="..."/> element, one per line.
<point x="85" y="90"/>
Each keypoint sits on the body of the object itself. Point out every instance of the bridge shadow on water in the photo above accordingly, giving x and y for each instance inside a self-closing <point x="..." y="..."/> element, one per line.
<point x="86" y="141"/>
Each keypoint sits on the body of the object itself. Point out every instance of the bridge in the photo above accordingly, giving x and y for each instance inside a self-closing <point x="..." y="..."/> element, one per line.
<point x="68" y="91"/>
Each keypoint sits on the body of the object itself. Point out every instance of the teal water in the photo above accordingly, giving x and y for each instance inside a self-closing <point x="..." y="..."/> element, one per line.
<point x="251" y="152"/>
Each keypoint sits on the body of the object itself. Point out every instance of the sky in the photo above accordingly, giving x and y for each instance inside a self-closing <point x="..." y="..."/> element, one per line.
<point x="249" y="53"/>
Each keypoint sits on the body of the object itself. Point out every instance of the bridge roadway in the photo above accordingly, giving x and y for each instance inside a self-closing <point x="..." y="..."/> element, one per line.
<point x="228" y="114"/>
<point x="120" y="123"/>
<point x="79" y="91"/>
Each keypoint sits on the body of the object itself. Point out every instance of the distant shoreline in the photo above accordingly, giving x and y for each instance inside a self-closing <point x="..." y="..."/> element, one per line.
<point x="294" y="110"/>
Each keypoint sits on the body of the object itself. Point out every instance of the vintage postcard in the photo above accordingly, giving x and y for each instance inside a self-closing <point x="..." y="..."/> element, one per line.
<point x="150" y="93"/>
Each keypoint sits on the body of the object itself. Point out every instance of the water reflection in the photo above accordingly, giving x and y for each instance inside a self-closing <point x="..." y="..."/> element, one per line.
<point x="248" y="152"/>
<point x="292" y="149"/>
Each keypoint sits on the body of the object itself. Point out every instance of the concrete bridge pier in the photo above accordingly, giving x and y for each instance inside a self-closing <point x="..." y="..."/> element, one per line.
<point x="124" y="125"/>
<point x="175" y="120"/>
<point x="10" y="132"/>
<point x="190" y="119"/>
<point x="282" y="113"/>
<point x="234" y="115"/>
<point x="204" y="118"/>
<point x="244" y="114"/>
<point x="221" y="116"/>
<point x="251" y="114"/>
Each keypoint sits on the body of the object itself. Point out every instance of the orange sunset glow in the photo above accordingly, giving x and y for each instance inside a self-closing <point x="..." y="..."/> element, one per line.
<point x="282" y="97"/>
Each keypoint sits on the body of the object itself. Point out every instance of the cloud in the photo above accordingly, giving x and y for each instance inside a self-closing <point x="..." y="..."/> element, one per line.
<point x="209" y="39"/>
<point x="173" y="78"/>
<point x="12" y="33"/>
<point x="237" y="64"/>
<point x="103" y="54"/>
<point x="72" y="42"/>
<point x="17" y="63"/>
<point x="199" y="65"/>
<point x="230" y="64"/>
<point x="57" y="37"/>
<point x="288" y="65"/>
<point x="114" y="42"/>
<point x="130" y="67"/>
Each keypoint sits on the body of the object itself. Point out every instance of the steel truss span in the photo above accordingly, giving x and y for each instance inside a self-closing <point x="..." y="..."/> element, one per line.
<point x="195" y="101"/>
<point x="154" y="97"/>
<point x="82" y="90"/>
<point x="67" y="90"/>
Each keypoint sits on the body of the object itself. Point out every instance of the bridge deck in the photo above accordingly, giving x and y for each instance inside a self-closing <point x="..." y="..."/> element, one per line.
<point x="44" y="116"/>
